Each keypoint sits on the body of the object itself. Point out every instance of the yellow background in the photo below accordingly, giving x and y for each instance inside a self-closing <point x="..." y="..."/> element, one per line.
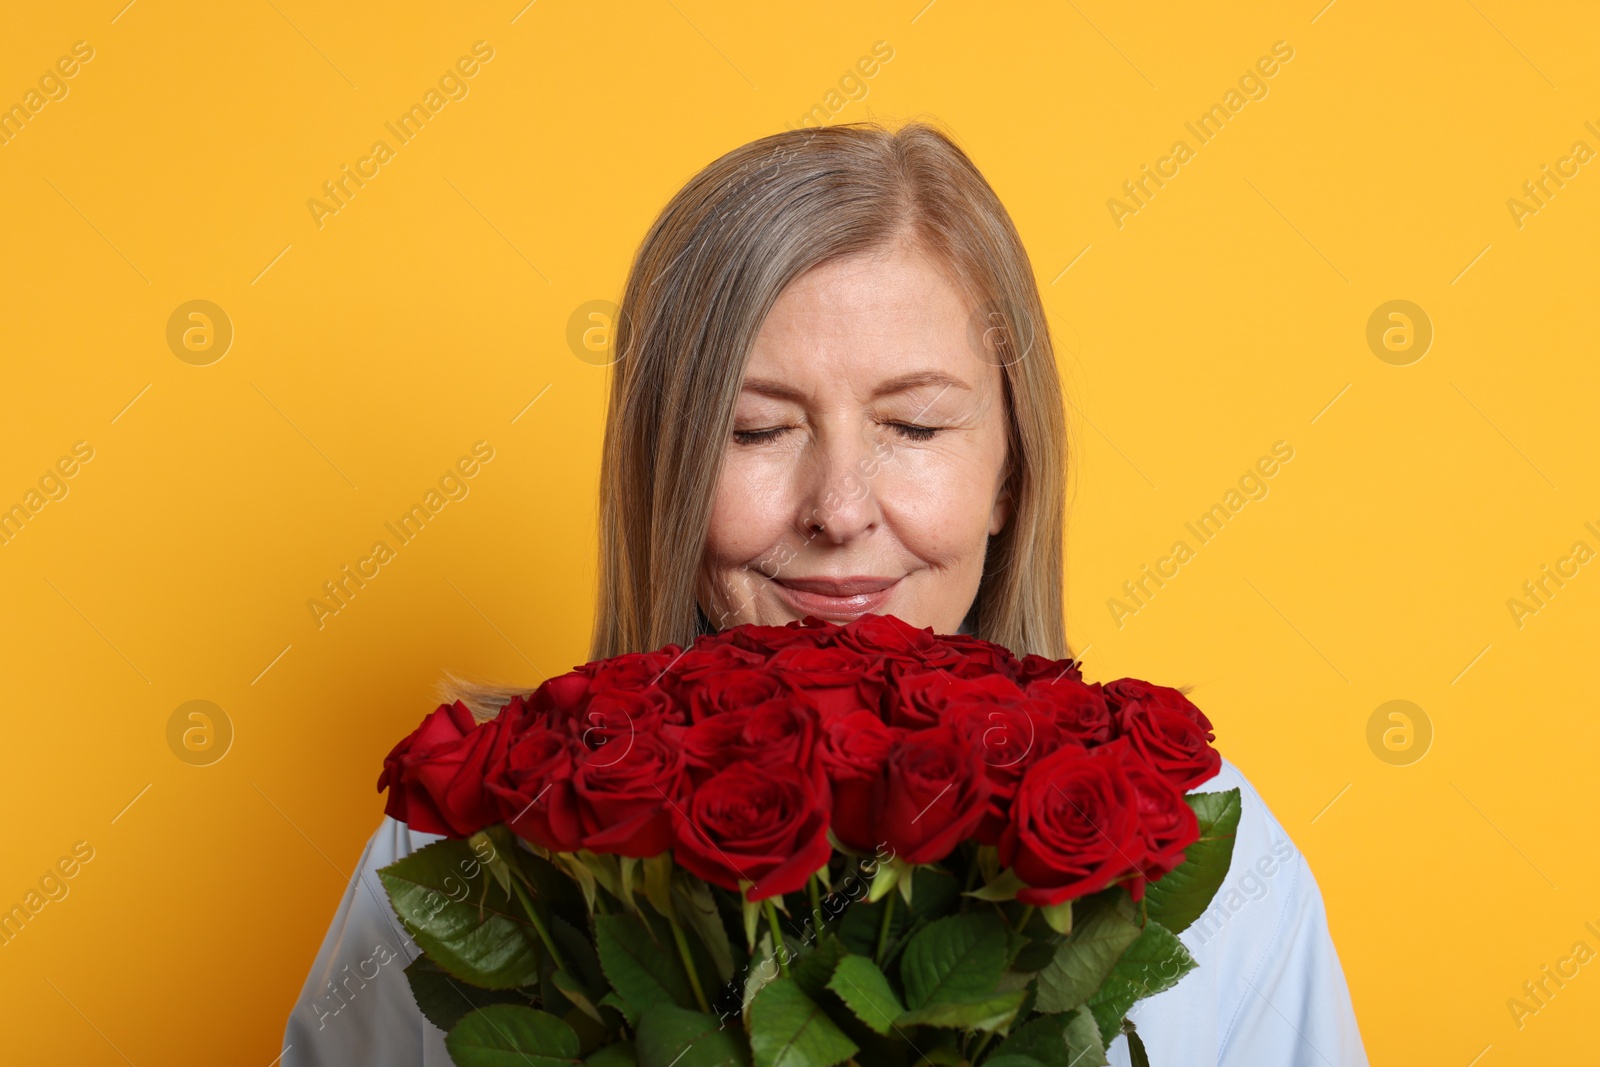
<point x="428" y="313"/>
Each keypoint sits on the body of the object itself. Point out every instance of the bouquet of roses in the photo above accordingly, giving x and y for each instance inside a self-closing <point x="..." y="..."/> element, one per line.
<point x="807" y="845"/>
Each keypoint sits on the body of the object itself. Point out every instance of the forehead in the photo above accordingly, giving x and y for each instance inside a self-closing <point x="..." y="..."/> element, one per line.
<point x="868" y="315"/>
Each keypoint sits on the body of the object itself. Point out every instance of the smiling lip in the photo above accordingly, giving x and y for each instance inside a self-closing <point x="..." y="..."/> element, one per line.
<point x="836" y="598"/>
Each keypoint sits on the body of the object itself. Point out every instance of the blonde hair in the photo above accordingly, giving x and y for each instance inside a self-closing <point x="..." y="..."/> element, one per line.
<point x="699" y="289"/>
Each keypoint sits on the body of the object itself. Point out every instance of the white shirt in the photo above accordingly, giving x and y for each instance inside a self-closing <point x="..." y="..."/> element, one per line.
<point x="1268" y="992"/>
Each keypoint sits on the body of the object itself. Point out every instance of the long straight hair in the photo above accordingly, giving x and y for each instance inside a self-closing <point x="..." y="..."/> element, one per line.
<point x="699" y="288"/>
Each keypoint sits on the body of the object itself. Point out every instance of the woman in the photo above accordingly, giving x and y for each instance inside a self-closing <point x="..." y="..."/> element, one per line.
<point x="835" y="380"/>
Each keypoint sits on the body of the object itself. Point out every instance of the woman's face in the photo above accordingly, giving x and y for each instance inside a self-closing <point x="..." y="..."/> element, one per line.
<point x="865" y="470"/>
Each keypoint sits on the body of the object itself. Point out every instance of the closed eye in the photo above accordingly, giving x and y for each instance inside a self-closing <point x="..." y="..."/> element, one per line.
<point x="913" y="432"/>
<point x="909" y="431"/>
<point x="756" y="437"/>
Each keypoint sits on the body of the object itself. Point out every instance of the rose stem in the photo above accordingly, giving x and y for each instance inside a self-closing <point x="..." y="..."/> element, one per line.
<point x="816" y="905"/>
<point x="883" y="928"/>
<point x="538" y="924"/>
<point x="779" y="950"/>
<point x="688" y="964"/>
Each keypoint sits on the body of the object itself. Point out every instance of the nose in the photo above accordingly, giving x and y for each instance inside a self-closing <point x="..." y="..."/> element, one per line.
<point x="838" y="499"/>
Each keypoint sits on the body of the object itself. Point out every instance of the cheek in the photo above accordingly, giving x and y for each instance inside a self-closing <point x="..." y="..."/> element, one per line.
<point x="750" y="511"/>
<point x="941" y="502"/>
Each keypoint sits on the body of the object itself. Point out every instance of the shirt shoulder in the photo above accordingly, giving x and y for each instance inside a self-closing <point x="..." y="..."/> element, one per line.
<point x="1268" y="987"/>
<point x="356" y="1004"/>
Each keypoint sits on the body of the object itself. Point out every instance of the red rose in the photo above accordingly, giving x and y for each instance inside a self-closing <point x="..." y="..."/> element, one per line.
<point x="992" y="661"/>
<point x="780" y="730"/>
<point x="920" y="699"/>
<point x="1033" y="668"/>
<point x="631" y="670"/>
<point x="712" y="694"/>
<point x="1079" y="710"/>
<point x="810" y="632"/>
<point x="532" y="789"/>
<point x="560" y="699"/>
<point x="1170" y="733"/>
<point x="1008" y="739"/>
<point x="854" y="750"/>
<point x="887" y="637"/>
<point x="1074" y="824"/>
<point x="762" y="825"/>
<point x="973" y="656"/>
<point x="855" y="745"/>
<point x="1127" y="695"/>
<point x="707" y="659"/>
<point x="931" y="794"/>
<point x="617" y="714"/>
<point x="838" y="680"/>
<point x="1167" y="823"/>
<point x="435" y="776"/>
<point x="624" y="791"/>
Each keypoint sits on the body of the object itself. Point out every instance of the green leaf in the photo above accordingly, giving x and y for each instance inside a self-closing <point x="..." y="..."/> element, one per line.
<point x="482" y="844"/>
<point x="483" y="937"/>
<point x="1069" y="1039"/>
<point x="553" y="888"/>
<point x="1182" y="895"/>
<point x="675" y="1037"/>
<point x="697" y="911"/>
<point x="1058" y="916"/>
<point x="935" y="896"/>
<point x="859" y="927"/>
<point x="1085" y="1047"/>
<point x="629" y="1013"/>
<point x="1035" y="955"/>
<point x="658" y="882"/>
<point x="989" y="862"/>
<point x="941" y="1048"/>
<point x="583" y="984"/>
<point x="752" y="918"/>
<point x="1002" y="888"/>
<point x="812" y="971"/>
<point x="502" y="1035"/>
<point x="1043" y="1040"/>
<point x="1083" y="961"/>
<point x="627" y="868"/>
<point x="641" y="968"/>
<point x="866" y="992"/>
<point x="619" y="1055"/>
<point x="579" y="953"/>
<point x="1151" y="964"/>
<point x="1137" y="1056"/>
<point x="958" y="958"/>
<point x="763" y="969"/>
<point x="592" y="1033"/>
<point x="577" y="995"/>
<point x="886" y="877"/>
<point x="445" y="999"/>
<point x="981" y="1013"/>
<point x="788" y="1029"/>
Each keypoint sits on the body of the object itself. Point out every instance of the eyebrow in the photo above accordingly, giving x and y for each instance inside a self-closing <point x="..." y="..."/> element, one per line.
<point x="900" y="384"/>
